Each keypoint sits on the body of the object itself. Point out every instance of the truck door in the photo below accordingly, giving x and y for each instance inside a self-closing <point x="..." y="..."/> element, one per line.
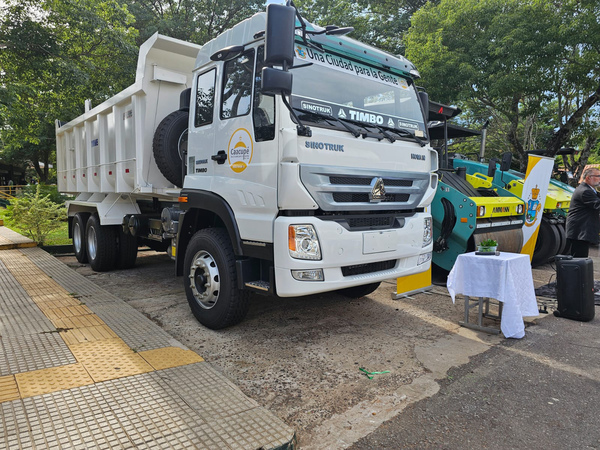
<point x="245" y="169"/>
<point x="201" y="131"/>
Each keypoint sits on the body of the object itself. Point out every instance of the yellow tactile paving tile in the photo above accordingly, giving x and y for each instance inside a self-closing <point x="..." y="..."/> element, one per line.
<point x="167" y="357"/>
<point x="69" y="311"/>
<point x="75" y="336"/>
<point x="90" y="351"/>
<point x="59" y="302"/>
<point x="117" y="366"/>
<point x="8" y="389"/>
<point x="68" y="323"/>
<point x="109" y="359"/>
<point x="54" y="379"/>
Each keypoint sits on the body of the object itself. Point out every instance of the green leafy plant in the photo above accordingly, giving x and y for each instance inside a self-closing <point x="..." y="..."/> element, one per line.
<point x="488" y="243"/>
<point x="35" y="215"/>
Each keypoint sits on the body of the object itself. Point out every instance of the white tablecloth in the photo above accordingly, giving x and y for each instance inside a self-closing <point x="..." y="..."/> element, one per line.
<point x="506" y="277"/>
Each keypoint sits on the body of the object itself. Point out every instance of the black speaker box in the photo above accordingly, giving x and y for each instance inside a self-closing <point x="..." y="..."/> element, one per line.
<point x="575" y="288"/>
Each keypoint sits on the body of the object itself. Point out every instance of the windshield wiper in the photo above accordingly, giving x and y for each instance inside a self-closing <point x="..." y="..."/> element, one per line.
<point x="407" y="134"/>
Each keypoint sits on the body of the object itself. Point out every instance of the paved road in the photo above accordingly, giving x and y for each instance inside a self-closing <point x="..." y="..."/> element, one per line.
<point x="300" y="359"/>
<point x="539" y="392"/>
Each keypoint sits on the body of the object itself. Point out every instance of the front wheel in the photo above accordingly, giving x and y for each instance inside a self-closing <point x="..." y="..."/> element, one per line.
<point x="210" y="280"/>
<point x="359" y="291"/>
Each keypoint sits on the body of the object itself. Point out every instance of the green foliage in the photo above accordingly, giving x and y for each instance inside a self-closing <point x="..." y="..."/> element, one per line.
<point x="380" y="23"/>
<point x="35" y="215"/>
<point x="488" y="243"/>
<point x="531" y="66"/>
<point x="57" y="54"/>
<point x="190" y="20"/>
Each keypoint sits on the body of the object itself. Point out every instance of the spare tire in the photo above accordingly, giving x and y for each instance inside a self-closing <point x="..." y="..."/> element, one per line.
<point x="170" y="145"/>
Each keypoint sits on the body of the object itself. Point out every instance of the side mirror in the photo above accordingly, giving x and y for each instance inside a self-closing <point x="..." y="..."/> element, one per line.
<point x="506" y="160"/>
<point x="424" y="97"/>
<point x="279" y="35"/>
<point x="275" y="82"/>
<point x="492" y="168"/>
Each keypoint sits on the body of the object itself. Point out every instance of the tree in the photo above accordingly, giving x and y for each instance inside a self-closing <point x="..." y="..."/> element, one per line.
<point x="55" y="55"/>
<point x="189" y="20"/>
<point x="36" y="215"/>
<point x="514" y="60"/>
<point x="380" y="23"/>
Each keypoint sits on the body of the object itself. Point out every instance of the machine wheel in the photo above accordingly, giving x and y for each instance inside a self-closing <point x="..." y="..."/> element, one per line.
<point x="170" y="144"/>
<point x="547" y="244"/>
<point x="359" y="291"/>
<point x="210" y="280"/>
<point x="100" y="245"/>
<point x="563" y="238"/>
<point x="127" y="249"/>
<point x="78" y="233"/>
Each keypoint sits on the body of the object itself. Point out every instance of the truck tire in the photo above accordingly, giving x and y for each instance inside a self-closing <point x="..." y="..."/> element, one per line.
<point x="101" y="245"/>
<point x="78" y="234"/>
<point x="127" y="248"/>
<point x="170" y="144"/>
<point x="359" y="291"/>
<point x="210" y="280"/>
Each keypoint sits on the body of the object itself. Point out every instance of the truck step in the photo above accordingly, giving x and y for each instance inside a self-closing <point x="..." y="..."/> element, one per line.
<point x="259" y="285"/>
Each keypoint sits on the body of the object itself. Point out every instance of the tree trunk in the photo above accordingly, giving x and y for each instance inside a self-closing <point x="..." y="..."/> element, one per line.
<point x="562" y="135"/>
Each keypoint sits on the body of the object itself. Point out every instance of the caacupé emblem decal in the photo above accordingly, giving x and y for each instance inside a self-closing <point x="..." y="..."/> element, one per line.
<point x="533" y="207"/>
<point x="239" y="150"/>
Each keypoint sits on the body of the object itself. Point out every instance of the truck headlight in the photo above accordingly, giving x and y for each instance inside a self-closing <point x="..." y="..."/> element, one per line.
<point x="303" y="242"/>
<point x="519" y="209"/>
<point x="480" y="211"/>
<point x="427" y="233"/>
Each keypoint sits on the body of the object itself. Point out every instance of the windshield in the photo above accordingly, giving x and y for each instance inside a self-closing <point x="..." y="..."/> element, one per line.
<point x="343" y="89"/>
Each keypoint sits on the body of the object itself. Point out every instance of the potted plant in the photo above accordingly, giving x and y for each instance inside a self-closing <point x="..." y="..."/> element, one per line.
<point x="487" y="246"/>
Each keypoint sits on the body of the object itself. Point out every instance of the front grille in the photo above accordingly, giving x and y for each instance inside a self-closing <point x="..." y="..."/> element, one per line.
<point x="353" y="197"/>
<point x="339" y="189"/>
<point x="360" y="269"/>
<point x="364" y="181"/>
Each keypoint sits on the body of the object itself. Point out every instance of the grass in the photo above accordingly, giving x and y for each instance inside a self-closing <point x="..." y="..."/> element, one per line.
<point x="57" y="237"/>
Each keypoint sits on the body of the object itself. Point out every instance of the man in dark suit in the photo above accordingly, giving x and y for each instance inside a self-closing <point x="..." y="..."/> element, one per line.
<point x="583" y="220"/>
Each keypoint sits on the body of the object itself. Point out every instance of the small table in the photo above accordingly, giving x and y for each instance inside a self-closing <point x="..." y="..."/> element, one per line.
<point x="505" y="277"/>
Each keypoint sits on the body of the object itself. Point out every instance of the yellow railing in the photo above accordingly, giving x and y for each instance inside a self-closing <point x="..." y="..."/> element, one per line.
<point x="9" y="192"/>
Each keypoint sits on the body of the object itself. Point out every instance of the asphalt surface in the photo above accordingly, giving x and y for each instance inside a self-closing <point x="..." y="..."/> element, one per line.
<point x="538" y="392"/>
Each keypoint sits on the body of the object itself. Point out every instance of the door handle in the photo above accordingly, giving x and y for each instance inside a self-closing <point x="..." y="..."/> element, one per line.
<point x="220" y="157"/>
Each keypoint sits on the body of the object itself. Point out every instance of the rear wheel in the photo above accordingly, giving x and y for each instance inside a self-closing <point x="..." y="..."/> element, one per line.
<point x="78" y="233"/>
<point x="101" y="245"/>
<point x="359" y="291"/>
<point x="127" y="250"/>
<point x="210" y="280"/>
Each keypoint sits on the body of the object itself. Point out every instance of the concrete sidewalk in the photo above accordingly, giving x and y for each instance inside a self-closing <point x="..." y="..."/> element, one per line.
<point x="79" y="368"/>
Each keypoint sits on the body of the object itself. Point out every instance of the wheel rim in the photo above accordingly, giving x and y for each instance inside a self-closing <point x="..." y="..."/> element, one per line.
<point x="77" y="237"/>
<point x="182" y="144"/>
<point x="92" y="243"/>
<point x="204" y="280"/>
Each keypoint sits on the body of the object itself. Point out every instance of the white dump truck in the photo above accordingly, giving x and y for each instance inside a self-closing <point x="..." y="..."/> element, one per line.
<point x="279" y="158"/>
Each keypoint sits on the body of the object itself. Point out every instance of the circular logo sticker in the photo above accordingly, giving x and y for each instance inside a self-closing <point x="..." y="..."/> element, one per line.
<point x="240" y="150"/>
